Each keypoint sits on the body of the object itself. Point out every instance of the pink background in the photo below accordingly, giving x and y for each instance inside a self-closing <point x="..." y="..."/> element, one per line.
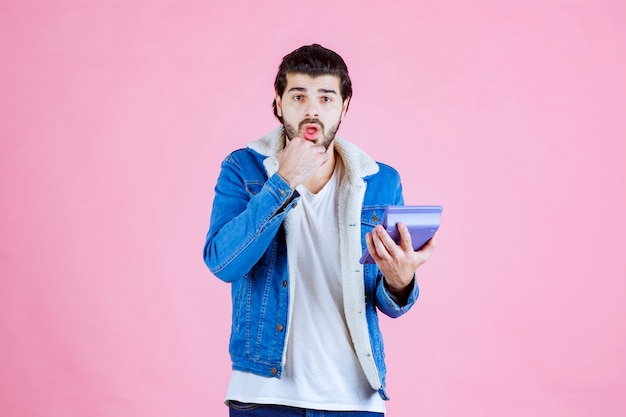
<point x="115" y="116"/>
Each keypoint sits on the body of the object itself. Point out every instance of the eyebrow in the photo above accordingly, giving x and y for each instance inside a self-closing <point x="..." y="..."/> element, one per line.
<point x="320" y="90"/>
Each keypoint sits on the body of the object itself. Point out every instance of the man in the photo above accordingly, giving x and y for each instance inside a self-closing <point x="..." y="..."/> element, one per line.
<point x="292" y="214"/>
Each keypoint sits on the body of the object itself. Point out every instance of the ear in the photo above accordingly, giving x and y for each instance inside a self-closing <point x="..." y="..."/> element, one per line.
<point x="344" y="109"/>
<point x="279" y="105"/>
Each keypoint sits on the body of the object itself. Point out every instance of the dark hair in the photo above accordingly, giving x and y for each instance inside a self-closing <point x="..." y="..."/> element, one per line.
<point x="313" y="60"/>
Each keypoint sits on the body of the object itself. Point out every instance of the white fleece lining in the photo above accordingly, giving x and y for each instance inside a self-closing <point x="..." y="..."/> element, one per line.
<point x="352" y="190"/>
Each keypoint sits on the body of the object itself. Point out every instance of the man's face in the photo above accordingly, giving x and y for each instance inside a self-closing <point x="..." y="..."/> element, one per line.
<point x="312" y="107"/>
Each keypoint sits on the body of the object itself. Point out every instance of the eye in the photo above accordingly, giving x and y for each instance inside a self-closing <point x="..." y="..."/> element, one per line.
<point x="298" y="97"/>
<point x="326" y="99"/>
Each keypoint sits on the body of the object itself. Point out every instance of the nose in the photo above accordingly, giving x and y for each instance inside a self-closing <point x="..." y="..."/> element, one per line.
<point x="312" y="111"/>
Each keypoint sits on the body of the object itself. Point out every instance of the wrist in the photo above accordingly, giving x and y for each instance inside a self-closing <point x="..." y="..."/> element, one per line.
<point x="402" y="293"/>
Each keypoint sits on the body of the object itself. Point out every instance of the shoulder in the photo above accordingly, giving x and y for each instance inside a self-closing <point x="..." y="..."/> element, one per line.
<point x="244" y="163"/>
<point x="239" y="155"/>
<point x="387" y="170"/>
<point x="384" y="187"/>
<point x="386" y="173"/>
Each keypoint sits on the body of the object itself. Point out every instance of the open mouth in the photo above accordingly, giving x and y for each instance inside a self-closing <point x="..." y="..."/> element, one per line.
<point x="310" y="131"/>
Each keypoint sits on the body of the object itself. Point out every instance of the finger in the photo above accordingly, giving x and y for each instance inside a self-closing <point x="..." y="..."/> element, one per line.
<point x="384" y="244"/>
<point x="387" y="240"/>
<point x="375" y="248"/>
<point x="371" y="248"/>
<point x="406" y="243"/>
<point x="291" y="142"/>
<point x="321" y="149"/>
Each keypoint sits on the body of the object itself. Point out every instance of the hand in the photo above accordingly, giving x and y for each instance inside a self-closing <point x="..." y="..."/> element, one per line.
<point x="299" y="160"/>
<point x="397" y="262"/>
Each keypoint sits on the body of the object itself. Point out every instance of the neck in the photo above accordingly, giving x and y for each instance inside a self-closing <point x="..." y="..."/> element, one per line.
<point x="318" y="180"/>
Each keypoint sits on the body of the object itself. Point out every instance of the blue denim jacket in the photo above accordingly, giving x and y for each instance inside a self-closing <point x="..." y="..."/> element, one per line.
<point x="247" y="245"/>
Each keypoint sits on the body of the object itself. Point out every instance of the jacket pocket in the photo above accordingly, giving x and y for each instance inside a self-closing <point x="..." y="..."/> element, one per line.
<point x="371" y="216"/>
<point x="254" y="187"/>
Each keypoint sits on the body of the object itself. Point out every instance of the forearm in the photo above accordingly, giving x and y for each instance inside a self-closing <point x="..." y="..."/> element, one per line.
<point x="243" y="225"/>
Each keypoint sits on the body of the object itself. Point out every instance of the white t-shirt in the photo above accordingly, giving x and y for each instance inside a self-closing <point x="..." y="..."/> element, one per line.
<point x="321" y="370"/>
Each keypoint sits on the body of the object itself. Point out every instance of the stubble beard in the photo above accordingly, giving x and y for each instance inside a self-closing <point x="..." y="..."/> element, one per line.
<point x="325" y="138"/>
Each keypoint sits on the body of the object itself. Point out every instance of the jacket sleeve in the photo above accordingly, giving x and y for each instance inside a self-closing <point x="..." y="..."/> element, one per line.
<point x="388" y="304"/>
<point x="385" y="301"/>
<point x="245" y="218"/>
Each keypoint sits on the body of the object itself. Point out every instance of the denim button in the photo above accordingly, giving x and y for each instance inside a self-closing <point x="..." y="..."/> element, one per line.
<point x="284" y="283"/>
<point x="280" y="327"/>
<point x="274" y="371"/>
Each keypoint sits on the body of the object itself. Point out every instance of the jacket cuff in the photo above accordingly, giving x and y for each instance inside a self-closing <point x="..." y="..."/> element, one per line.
<point x="280" y="187"/>
<point x="389" y="304"/>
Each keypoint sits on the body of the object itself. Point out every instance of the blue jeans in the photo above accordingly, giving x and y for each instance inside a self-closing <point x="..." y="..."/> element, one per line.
<point x="238" y="409"/>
